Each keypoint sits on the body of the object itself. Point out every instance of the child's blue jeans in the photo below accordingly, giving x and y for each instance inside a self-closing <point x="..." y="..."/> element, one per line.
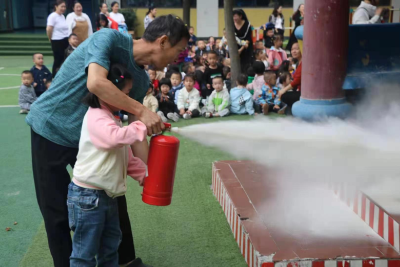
<point x="93" y="217"/>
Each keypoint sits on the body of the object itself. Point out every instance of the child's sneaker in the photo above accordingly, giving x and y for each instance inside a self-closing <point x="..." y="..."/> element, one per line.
<point x="186" y="116"/>
<point x="204" y="102"/>
<point x="173" y="116"/>
<point x="208" y="115"/>
<point x="23" y="111"/>
<point x="282" y="110"/>
<point x="161" y="114"/>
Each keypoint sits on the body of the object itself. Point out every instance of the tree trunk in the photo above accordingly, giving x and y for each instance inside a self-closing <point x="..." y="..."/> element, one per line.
<point x="186" y="12"/>
<point x="230" y="36"/>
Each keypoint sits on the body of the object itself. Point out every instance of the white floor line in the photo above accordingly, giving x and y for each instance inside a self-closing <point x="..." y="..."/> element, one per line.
<point x="10" y="74"/>
<point x="9" y="106"/>
<point x="7" y="88"/>
<point x="1" y="68"/>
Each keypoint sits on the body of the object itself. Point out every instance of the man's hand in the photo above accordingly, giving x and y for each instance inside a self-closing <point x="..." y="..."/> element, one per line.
<point x="378" y="11"/>
<point x="182" y="111"/>
<point x="208" y="86"/>
<point x="152" y="121"/>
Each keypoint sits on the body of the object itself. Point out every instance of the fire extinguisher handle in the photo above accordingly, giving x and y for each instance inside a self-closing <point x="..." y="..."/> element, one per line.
<point x="167" y="126"/>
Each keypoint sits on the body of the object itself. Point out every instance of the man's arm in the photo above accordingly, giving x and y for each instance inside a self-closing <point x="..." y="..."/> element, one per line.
<point x="99" y="85"/>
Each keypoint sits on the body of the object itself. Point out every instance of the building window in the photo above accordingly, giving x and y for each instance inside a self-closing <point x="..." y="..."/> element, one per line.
<point x="159" y="3"/>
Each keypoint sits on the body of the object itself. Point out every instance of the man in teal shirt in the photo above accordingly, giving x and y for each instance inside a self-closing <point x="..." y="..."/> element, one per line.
<point x="56" y="118"/>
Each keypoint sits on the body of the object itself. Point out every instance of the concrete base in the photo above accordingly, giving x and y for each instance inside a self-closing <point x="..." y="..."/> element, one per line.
<point x="312" y="110"/>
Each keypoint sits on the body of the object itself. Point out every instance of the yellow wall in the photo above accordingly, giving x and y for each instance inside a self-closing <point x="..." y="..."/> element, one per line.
<point x="257" y="17"/>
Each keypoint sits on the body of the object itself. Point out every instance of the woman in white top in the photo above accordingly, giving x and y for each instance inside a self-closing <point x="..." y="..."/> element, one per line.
<point x="278" y="20"/>
<point x="104" y="10"/>
<point x="118" y="17"/>
<point x="150" y="16"/>
<point x="57" y="31"/>
<point x="79" y="23"/>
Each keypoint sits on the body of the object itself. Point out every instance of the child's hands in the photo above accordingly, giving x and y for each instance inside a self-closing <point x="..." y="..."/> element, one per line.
<point x="182" y="111"/>
<point x="189" y="112"/>
<point x="34" y="84"/>
<point x="208" y="86"/>
<point x="44" y="80"/>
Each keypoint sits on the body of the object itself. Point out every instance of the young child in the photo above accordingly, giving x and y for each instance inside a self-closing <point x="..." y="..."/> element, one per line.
<point x="189" y="99"/>
<point x="153" y="79"/>
<point x="276" y="55"/>
<point x="202" y="48"/>
<point x="211" y="44"/>
<point x="26" y="92"/>
<point x="166" y="105"/>
<point x="218" y="102"/>
<point x="241" y="99"/>
<point x="285" y="79"/>
<point x="258" y="82"/>
<point x="269" y="100"/>
<point x="189" y="68"/>
<point x="261" y="56"/>
<point x="176" y="82"/>
<point x="73" y="44"/>
<point x="41" y="74"/>
<point x="269" y="29"/>
<point x="99" y="177"/>
<point x="193" y="38"/>
<point x="227" y="78"/>
<point x="260" y="46"/>
<point x="213" y="70"/>
<point x="149" y="100"/>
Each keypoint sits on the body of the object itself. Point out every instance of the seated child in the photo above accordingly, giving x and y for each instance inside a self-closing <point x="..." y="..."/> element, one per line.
<point x="218" y="102"/>
<point x="251" y="74"/>
<point x="166" y="105"/>
<point x="193" y="38"/>
<point x="73" y="44"/>
<point x="100" y="175"/>
<point x="241" y="99"/>
<point x="176" y="82"/>
<point x="269" y="99"/>
<point x="268" y="35"/>
<point x="276" y="55"/>
<point x="26" y="92"/>
<point x="258" y="82"/>
<point x="149" y="100"/>
<point x="189" y="99"/>
<point x="227" y="78"/>
<point x="261" y="56"/>
<point x="152" y="75"/>
<point x="213" y="70"/>
<point x="285" y="79"/>
<point x="201" y="48"/>
<point x="189" y="68"/>
<point x="41" y="74"/>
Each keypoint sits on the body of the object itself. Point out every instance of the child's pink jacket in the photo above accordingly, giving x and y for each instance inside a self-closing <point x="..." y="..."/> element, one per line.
<point x="276" y="57"/>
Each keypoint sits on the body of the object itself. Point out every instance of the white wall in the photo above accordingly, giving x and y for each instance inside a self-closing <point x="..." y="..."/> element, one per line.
<point x="207" y="18"/>
<point x="296" y="4"/>
<point x="396" y="14"/>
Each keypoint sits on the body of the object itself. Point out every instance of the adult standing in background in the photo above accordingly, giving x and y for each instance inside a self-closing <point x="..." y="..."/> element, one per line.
<point x="118" y="17"/>
<point x="57" y="32"/>
<point x="104" y="9"/>
<point x="79" y="23"/>
<point x="367" y="13"/>
<point x="298" y="18"/>
<point x="243" y="32"/>
<point x="150" y="16"/>
<point x="278" y="20"/>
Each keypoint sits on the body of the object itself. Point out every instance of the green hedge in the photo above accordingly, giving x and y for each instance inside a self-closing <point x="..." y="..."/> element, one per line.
<point x="131" y="18"/>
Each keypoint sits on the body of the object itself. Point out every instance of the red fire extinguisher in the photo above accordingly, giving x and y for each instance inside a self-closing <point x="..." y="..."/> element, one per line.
<point x="163" y="156"/>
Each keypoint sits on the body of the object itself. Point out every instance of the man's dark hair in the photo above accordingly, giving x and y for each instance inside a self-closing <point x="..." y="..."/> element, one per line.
<point x="171" y="26"/>
<point x="242" y="79"/>
<point x="73" y="34"/>
<point x="259" y="67"/>
<point x="165" y="81"/>
<point x="27" y="72"/>
<point x="118" y="74"/>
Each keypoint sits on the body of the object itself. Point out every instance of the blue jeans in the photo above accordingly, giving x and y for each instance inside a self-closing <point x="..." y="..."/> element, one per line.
<point x="93" y="217"/>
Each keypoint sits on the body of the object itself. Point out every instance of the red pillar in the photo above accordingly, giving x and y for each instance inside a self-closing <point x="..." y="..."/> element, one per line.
<point x="325" y="49"/>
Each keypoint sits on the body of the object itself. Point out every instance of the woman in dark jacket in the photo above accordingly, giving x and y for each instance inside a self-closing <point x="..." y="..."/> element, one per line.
<point x="298" y="18"/>
<point x="244" y="32"/>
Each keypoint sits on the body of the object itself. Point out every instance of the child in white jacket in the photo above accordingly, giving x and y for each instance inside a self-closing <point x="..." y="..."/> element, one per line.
<point x="189" y="99"/>
<point x="104" y="160"/>
<point x="218" y="102"/>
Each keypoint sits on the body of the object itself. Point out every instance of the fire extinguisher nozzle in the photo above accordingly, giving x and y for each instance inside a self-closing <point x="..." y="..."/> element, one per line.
<point x="175" y="129"/>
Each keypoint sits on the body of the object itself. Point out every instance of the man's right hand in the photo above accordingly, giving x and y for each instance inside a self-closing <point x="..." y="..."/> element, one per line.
<point x="378" y="11"/>
<point x="152" y="121"/>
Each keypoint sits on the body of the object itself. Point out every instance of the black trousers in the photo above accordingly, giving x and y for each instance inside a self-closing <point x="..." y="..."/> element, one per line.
<point x="58" y="47"/>
<point x="291" y="97"/>
<point x="49" y="163"/>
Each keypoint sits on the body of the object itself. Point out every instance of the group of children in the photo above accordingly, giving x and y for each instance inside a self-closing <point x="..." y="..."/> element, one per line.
<point x="37" y="80"/>
<point x="200" y="85"/>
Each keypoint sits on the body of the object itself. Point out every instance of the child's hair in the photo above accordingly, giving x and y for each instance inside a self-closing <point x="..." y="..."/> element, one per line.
<point x="259" y="67"/>
<point x="191" y="27"/>
<point x="284" y="67"/>
<point x="191" y="76"/>
<point x="199" y="76"/>
<point x="268" y="75"/>
<point x="27" y="72"/>
<point x="259" y="41"/>
<point x="226" y="70"/>
<point x="242" y="79"/>
<point x="186" y="67"/>
<point x="212" y="52"/>
<point x="73" y="34"/>
<point x="165" y="81"/>
<point x="258" y="52"/>
<point x="102" y="17"/>
<point x="33" y="56"/>
<point x="277" y="37"/>
<point x="177" y="73"/>
<point x="170" y="70"/>
<point x="218" y="77"/>
<point x="283" y="77"/>
<point x="251" y="72"/>
<point x="118" y="74"/>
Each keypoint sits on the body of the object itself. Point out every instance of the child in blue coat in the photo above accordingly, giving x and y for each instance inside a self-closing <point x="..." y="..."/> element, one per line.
<point x="241" y="99"/>
<point x="269" y="99"/>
